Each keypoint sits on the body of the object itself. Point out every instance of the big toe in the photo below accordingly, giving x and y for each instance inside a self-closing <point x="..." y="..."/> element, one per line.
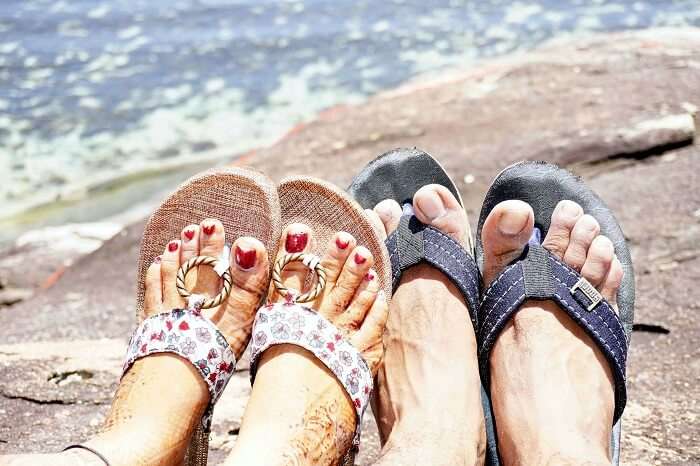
<point x="249" y="277"/>
<point x="504" y="235"/>
<point x="436" y="206"/>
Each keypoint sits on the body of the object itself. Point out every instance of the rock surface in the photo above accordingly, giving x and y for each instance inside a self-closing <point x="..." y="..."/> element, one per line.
<point x="613" y="108"/>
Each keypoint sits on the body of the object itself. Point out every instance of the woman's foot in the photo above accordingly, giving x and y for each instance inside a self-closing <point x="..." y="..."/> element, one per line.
<point x="428" y="399"/>
<point x="162" y="397"/>
<point x="541" y="355"/>
<point x="298" y="412"/>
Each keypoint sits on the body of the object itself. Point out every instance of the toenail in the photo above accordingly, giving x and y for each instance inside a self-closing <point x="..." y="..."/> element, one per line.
<point x="172" y="246"/>
<point x="570" y="209"/>
<point x="369" y="276"/>
<point x="157" y="260"/>
<point x="245" y="258"/>
<point x="296" y="242"/>
<point x="189" y="234"/>
<point x="342" y="244"/>
<point x="209" y="229"/>
<point x="431" y="205"/>
<point x="512" y="222"/>
<point x="359" y="259"/>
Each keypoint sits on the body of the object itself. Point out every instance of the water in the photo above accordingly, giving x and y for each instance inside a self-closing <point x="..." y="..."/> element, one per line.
<point x="93" y="91"/>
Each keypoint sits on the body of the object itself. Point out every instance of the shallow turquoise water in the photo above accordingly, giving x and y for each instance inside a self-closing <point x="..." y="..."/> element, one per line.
<point x="94" y="89"/>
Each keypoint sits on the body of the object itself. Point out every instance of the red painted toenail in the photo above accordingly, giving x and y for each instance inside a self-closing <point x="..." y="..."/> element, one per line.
<point x="360" y="259"/>
<point x="341" y="244"/>
<point x="209" y="229"/>
<point x="296" y="242"/>
<point x="369" y="276"/>
<point x="172" y="246"/>
<point x="157" y="260"/>
<point x="189" y="234"/>
<point x="245" y="259"/>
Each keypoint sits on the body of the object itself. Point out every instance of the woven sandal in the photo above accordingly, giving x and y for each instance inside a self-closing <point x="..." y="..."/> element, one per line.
<point x="246" y="202"/>
<point x="540" y="275"/>
<point x="397" y="175"/>
<point x="326" y="210"/>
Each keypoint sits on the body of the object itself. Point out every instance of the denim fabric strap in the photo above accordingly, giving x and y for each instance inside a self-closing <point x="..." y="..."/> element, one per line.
<point x="540" y="275"/>
<point x="414" y="242"/>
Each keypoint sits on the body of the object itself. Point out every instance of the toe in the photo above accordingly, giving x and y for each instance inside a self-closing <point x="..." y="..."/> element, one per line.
<point x="337" y="252"/>
<point x="169" y="266"/>
<point x="582" y="235"/>
<point x="354" y="270"/>
<point x="376" y="223"/>
<point x="249" y="275"/>
<point x="598" y="261"/>
<point x="153" y="298"/>
<point x="297" y="238"/>
<point x="612" y="282"/>
<point x="190" y="242"/>
<point x="212" y="238"/>
<point x="435" y="205"/>
<point x="369" y="339"/>
<point x="352" y="318"/>
<point x="189" y="238"/>
<point x="389" y="212"/>
<point x="505" y="232"/>
<point x="564" y="217"/>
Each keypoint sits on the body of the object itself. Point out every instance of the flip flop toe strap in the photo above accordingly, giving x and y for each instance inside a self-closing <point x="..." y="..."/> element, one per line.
<point x="193" y="337"/>
<point x="540" y="275"/>
<point x="291" y="323"/>
<point x="414" y="242"/>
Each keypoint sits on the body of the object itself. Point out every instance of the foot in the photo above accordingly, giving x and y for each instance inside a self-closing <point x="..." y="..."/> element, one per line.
<point x="430" y="363"/>
<point x="152" y="415"/>
<point x="298" y="412"/>
<point x="541" y="355"/>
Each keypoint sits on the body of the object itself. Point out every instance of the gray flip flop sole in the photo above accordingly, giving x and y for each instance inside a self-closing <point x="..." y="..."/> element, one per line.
<point x="542" y="186"/>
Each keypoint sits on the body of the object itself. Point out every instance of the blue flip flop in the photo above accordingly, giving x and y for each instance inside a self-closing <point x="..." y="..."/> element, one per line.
<point x="538" y="274"/>
<point x="397" y="175"/>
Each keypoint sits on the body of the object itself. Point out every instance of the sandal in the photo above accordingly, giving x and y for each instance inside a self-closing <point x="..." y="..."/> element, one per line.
<point x="247" y="204"/>
<point x="540" y="275"/>
<point x="327" y="210"/>
<point x="397" y="175"/>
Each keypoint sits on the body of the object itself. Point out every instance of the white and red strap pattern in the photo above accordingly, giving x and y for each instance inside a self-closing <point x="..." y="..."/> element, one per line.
<point x="290" y="323"/>
<point x="193" y="337"/>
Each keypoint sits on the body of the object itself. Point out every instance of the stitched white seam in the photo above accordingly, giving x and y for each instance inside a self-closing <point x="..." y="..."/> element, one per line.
<point x="566" y="303"/>
<point x="499" y="278"/>
<point x="610" y="311"/>
<point x="505" y="313"/>
<point x="471" y="276"/>
<point x="493" y="306"/>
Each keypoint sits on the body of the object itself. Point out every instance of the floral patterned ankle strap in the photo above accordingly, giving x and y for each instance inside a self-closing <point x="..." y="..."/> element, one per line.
<point x="195" y="338"/>
<point x="291" y="323"/>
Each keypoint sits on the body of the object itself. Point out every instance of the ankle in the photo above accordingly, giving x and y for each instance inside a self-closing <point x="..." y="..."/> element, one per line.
<point x="320" y="416"/>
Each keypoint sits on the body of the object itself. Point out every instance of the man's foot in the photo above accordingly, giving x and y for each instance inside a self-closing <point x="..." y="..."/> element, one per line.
<point x="162" y="396"/>
<point x="298" y="412"/>
<point x="428" y="398"/>
<point x="551" y="387"/>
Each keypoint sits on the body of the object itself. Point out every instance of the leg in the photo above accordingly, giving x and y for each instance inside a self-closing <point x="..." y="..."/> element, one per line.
<point x="298" y="412"/>
<point x="150" y="414"/>
<point x="542" y="356"/>
<point x="430" y="366"/>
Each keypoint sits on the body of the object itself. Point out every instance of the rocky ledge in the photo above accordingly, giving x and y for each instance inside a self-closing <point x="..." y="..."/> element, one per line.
<point x="616" y="109"/>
